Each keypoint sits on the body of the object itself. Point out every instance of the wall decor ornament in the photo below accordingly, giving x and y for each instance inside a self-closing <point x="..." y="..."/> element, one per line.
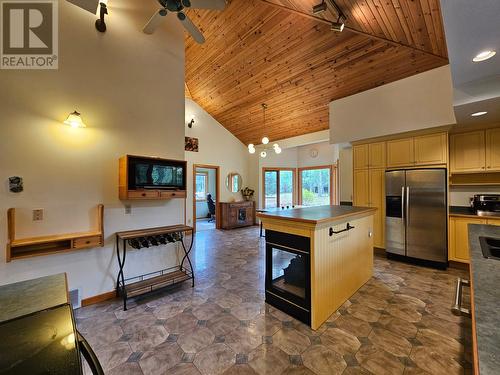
<point x="191" y="144"/>
<point x="16" y="184"/>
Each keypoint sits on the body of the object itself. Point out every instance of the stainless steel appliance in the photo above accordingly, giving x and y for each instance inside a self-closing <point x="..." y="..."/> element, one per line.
<point x="486" y="204"/>
<point x="416" y="214"/>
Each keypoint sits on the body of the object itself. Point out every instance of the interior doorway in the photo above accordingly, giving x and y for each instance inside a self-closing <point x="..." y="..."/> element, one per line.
<point x="206" y="196"/>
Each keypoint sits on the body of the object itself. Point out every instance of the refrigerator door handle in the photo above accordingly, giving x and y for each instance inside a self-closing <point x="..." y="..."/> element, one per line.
<point x="407" y="206"/>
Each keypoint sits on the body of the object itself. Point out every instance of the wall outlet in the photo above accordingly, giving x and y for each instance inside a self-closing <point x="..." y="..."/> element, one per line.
<point x="128" y="209"/>
<point x="38" y="214"/>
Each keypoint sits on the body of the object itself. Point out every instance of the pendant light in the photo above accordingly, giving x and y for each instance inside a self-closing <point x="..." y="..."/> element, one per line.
<point x="265" y="140"/>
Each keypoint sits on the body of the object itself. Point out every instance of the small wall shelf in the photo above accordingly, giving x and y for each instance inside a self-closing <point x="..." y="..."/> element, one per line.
<point x="53" y="244"/>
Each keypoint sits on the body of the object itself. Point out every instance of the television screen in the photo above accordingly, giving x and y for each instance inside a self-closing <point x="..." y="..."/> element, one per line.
<point x="155" y="175"/>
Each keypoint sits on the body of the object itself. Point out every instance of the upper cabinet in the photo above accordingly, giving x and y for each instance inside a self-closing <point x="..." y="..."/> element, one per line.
<point x="477" y="151"/>
<point x="370" y="155"/>
<point x="376" y="155"/>
<point x="430" y="149"/>
<point x="493" y="149"/>
<point x="360" y="156"/>
<point x="400" y="152"/>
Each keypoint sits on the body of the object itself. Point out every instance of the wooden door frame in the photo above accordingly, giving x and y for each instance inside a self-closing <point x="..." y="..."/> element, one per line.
<point x="217" y="193"/>
<point x="278" y="169"/>
<point x="333" y="181"/>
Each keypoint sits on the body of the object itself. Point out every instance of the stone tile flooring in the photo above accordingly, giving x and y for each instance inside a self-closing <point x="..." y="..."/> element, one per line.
<point x="398" y="323"/>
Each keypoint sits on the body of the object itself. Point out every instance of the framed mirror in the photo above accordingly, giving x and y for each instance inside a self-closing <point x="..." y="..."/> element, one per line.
<point x="234" y="182"/>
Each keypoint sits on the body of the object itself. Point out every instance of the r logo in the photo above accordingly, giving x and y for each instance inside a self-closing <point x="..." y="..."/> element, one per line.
<point x="29" y="39"/>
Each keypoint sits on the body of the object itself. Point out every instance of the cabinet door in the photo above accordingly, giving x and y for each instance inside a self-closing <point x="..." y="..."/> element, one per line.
<point x="493" y="149"/>
<point x="361" y="188"/>
<point x="467" y="152"/>
<point x="493" y="222"/>
<point x="377" y="198"/>
<point x="431" y="149"/>
<point x="459" y="238"/>
<point x="376" y="155"/>
<point x="400" y="152"/>
<point x="360" y="156"/>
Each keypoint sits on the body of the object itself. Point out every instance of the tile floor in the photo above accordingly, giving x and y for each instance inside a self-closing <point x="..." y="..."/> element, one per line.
<point x="398" y="323"/>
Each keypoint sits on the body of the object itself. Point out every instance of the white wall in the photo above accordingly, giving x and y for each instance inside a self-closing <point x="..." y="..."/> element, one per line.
<point x="201" y="206"/>
<point x="418" y="102"/>
<point x="459" y="195"/>
<point x="217" y="147"/>
<point x="129" y="88"/>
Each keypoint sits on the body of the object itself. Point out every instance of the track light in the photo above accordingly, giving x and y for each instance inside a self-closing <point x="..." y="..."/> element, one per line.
<point x="100" y="24"/>
<point x="320" y="8"/>
<point x="339" y="25"/>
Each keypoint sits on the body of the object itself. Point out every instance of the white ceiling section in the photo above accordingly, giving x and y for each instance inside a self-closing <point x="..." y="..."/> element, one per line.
<point x="422" y="101"/>
<point x="470" y="28"/>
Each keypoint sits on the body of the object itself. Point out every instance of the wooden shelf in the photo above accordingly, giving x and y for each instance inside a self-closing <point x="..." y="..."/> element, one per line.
<point x="155" y="283"/>
<point x="130" y="234"/>
<point x="52" y="244"/>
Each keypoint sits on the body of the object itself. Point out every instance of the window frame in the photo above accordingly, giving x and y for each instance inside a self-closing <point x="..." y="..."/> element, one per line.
<point x="205" y="175"/>
<point x="278" y="170"/>
<point x="333" y="181"/>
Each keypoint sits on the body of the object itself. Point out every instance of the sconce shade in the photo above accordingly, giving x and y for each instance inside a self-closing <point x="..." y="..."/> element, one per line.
<point x="75" y="120"/>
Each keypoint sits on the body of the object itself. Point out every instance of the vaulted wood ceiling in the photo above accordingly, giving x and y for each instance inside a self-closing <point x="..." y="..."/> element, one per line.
<point x="276" y="52"/>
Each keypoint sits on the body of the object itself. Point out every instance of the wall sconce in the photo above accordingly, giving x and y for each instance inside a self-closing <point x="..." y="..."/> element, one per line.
<point x="74" y="120"/>
<point x="191" y="123"/>
<point x="100" y="25"/>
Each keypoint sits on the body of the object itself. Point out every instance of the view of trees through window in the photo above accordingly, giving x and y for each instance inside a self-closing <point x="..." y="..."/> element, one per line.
<point x="201" y="186"/>
<point x="315" y="186"/>
<point x="281" y="180"/>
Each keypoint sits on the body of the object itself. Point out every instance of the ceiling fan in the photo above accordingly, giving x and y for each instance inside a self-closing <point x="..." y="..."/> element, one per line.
<point x="179" y="6"/>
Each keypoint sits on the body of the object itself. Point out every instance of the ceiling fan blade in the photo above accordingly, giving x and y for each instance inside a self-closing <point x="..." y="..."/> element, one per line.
<point x="191" y="28"/>
<point x="208" y="4"/>
<point x="154" y="22"/>
<point x="88" y="5"/>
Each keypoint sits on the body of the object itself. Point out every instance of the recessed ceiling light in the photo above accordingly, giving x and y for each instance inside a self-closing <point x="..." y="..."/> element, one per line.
<point x="476" y="114"/>
<point x="485" y="55"/>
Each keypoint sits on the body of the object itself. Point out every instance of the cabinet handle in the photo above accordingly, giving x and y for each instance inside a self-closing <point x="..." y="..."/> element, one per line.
<point x="457" y="308"/>
<point x="143" y="194"/>
<point x="87" y="242"/>
<point x="348" y="227"/>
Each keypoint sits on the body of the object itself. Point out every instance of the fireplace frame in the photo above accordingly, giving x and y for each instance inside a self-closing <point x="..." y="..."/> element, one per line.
<point x="289" y="303"/>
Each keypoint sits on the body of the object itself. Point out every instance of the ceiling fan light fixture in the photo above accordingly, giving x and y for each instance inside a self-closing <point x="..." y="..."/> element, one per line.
<point x="265" y="141"/>
<point x="263" y="154"/>
<point x="277" y="150"/>
<point x="320" y="8"/>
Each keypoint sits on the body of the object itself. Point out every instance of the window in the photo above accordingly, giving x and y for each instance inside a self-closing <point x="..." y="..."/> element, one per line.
<point x="278" y="187"/>
<point x="317" y="186"/>
<point x="201" y="186"/>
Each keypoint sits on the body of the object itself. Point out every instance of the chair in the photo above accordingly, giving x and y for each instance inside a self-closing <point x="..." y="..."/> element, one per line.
<point x="211" y="207"/>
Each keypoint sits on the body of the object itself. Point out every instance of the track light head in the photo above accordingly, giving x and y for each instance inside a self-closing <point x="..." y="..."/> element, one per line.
<point x="338" y="26"/>
<point x="320" y="8"/>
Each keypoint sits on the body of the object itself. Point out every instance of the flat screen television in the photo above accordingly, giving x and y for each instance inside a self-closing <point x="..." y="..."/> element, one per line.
<point x="155" y="173"/>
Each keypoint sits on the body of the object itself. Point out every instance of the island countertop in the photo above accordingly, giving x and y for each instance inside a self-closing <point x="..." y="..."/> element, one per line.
<point x="315" y="215"/>
<point x="485" y="278"/>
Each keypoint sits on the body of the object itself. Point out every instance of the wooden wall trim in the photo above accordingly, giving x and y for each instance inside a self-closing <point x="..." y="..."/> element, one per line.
<point x="99" y="298"/>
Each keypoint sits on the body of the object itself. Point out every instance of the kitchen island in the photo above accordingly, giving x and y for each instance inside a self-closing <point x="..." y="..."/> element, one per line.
<point x="316" y="258"/>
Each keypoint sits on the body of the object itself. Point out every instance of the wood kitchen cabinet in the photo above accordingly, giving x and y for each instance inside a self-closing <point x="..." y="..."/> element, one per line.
<point x="360" y="156"/>
<point x="369" y="192"/>
<point x="458" y="241"/>
<point x="431" y="149"/>
<point x="467" y="152"/>
<point x="492" y="151"/>
<point x="400" y="152"/>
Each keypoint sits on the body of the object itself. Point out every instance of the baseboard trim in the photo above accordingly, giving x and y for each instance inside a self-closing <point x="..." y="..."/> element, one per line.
<point x="458" y="265"/>
<point x="99" y="298"/>
<point x="379" y="251"/>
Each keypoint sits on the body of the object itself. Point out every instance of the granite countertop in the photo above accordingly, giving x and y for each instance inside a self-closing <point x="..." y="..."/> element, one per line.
<point x="468" y="212"/>
<point x="316" y="214"/>
<point x="485" y="275"/>
<point x="30" y="296"/>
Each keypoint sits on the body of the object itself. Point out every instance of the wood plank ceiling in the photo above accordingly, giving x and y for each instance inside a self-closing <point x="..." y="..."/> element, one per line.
<point x="276" y="52"/>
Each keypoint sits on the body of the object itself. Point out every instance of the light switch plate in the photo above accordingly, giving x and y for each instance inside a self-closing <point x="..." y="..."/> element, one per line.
<point x="128" y="209"/>
<point x="38" y="214"/>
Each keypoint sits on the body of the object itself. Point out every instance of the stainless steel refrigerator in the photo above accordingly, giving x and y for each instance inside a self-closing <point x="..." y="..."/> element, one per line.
<point x="416" y="214"/>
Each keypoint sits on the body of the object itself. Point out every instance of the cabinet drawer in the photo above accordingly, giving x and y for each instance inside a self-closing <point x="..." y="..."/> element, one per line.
<point x="172" y="194"/>
<point x="240" y="205"/>
<point x="143" y="194"/>
<point x="81" y="243"/>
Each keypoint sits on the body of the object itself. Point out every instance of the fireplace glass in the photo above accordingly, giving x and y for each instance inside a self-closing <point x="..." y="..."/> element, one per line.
<point x="289" y="272"/>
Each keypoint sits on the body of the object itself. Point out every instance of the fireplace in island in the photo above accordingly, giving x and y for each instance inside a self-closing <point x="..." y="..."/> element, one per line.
<point x="288" y="278"/>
